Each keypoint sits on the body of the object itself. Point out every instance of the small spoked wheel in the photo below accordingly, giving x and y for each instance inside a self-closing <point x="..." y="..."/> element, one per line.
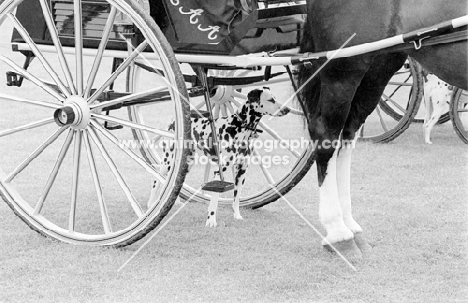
<point x="69" y="167"/>
<point x="398" y="106"/>
<point x="459" y="113"/>
<point x="282" y="153"/>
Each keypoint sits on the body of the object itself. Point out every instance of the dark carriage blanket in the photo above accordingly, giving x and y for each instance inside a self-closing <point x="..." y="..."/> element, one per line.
<point x="205" y="21"/>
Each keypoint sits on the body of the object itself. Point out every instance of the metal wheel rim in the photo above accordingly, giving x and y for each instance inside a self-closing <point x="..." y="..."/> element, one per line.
<point x="42" y="224"/>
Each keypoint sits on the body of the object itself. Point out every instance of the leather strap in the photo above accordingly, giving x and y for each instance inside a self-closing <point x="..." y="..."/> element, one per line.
<point x="246" y="6"/>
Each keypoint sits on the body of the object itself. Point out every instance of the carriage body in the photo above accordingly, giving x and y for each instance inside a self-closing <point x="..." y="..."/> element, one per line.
<point x="262" y="30"/>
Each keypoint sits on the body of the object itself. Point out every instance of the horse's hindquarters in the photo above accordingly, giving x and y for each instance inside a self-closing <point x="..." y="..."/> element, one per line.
<point x="447" y="61"/>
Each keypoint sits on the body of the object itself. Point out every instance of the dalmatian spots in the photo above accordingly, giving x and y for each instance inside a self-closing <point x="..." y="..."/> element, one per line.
<point x="437" y="95"/>
<point x="237" y="133"/>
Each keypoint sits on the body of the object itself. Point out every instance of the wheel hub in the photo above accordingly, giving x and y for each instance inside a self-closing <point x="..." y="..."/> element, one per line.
<point x="75" y="113"/>
<point x="222" y="94"/>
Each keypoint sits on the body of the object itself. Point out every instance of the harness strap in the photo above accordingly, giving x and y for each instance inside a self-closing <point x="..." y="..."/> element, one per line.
<point x="442" y="39"/>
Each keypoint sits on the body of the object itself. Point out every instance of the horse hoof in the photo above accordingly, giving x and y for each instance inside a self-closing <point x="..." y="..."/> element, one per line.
<point x="347" y="248"/>
<point x="362" y="243"/>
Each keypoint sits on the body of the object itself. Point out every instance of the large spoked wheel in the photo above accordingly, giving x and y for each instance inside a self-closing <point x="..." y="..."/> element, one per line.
<point x="282" y="155"/>
<point x="459" y="113"/>
<point x="398" y="106"/>
<point x="69" y="166"/>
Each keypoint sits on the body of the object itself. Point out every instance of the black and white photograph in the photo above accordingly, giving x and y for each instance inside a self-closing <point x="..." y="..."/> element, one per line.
<point x="234" y="151"/>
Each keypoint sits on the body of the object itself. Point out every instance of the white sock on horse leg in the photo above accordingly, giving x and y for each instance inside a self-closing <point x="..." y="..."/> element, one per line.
<point x="343" y="179"/>
<point x="330" y="212"/>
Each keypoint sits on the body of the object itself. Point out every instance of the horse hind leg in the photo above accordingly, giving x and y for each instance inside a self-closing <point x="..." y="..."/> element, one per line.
<point x="344" y="192"/>
<point x="339" y="236"/>
<point x="325" y="129"/>
<point x="365" y="100"/>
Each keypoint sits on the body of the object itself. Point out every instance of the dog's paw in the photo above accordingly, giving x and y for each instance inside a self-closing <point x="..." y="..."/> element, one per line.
<point x="211" y="222"/>
<point x="428" y="142"/>
<point x="238" y="217"/>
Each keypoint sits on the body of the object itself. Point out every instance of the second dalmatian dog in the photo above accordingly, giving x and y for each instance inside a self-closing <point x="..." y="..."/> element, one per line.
<point x="437" y="95"/>
<point x="235" y="134"/>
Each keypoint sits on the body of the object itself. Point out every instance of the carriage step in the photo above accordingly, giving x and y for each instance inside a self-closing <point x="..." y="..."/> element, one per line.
<point x="218" y="186"/>
<point x="112" y="126"/>
<point x="13" y="79"/>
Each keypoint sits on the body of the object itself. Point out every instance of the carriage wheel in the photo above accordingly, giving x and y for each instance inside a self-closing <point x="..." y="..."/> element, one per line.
<point x="265" y="182"/>
<point x="459" y="113"/>
<point x="397" y="107"/>
<point x="67" y="168"/>
<point x="419" y="117"/>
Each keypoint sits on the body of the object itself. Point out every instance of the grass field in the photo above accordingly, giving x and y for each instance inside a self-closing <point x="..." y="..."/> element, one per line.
<point x="410" y="198"/>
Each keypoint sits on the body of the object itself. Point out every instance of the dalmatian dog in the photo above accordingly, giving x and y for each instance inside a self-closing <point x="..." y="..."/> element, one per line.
<point x="235" y="134"/>
<point x="437" y="95"/>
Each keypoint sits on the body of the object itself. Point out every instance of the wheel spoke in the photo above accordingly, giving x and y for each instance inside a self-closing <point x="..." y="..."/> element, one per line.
<point x="118" y="71"/>
<point x="97" y="185"/>
<point x="38" y="103"/>
<point x="216" y="111"/>
<point x="265" y="171"/>
<point x="78" y="25"/>
<point x="27" y="75"/>
<point x="128" y="98"/>
<point x="402" y="72"/>
<point x="361" y="131"/>
<point x="224" y="110"/>
<point x="400" y="86"/>
<point x="239" y="95"/>
<point x="206" y="176"/>
<point x="54" y="173"/>
<point x="275" y="135"/>
<point x="26" y="127"/>
<point x="230" y="107"/>
<point x="382" y="122"/>
<point x="130" y="153"/>
<point x="155" y="140"/>
<point x="75" y="179"/>
<point x="58" y="46"/>
<point x="129" y="124"/>
<point x="199" y="105"/>
<point x="19" y="27"/>
<point x="35" y="154"/>
<point x="400" y="83"/>
<point x="102" y="45"/>
<point x="297" y="112"/>
<point x="134" y="204"/>
<point x="388" y="99"/>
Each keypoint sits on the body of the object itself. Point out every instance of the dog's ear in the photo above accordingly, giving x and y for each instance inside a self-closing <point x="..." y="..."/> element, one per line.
<point x="254" y="95"/>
